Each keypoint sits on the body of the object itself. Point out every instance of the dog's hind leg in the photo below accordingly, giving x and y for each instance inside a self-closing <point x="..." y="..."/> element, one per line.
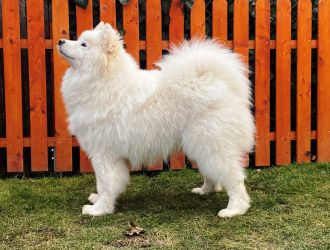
<point x="208" y="187"/>
<point x="112" y="178"/>
<point x="219" y="160"/>
<point x="229" y="172"/>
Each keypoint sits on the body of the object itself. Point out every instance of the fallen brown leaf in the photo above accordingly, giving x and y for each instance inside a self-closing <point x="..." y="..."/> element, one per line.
<point x="134" y="230"/>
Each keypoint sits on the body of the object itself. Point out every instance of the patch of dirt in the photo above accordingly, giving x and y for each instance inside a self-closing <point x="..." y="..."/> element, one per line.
<point x="142" y="241"/>
<point x="32" y="237"/>
<point x="48" y="231"/>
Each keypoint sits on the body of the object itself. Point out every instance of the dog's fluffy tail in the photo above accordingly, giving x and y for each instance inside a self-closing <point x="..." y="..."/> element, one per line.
<point x="198" y="58"/>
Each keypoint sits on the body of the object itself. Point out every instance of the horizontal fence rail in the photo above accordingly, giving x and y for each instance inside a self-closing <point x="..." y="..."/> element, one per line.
<point x="286" y="46"/>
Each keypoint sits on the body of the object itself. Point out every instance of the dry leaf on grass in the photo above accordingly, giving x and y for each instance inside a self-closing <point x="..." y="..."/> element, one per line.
<point x="134" y="230"/>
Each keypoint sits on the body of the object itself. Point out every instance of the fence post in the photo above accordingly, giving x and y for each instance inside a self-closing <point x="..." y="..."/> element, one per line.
<point x="283" y="82"/>
<point x="153" y="45"/>
<point x="304" y="64"/>
<point x="37" y="75"/>
<point x="176" y="36"/>
<point x="262" y="83"/>
<point x="323" y="83"/>
<point x="131" y="28"/>
<point x="219" y="20"/>
<point x="13" y="84"/>
<point x="108" y="12"/>
<point x="84" y="18"/>
<point x="241" y="39"/>
<point x="63" y="139"/>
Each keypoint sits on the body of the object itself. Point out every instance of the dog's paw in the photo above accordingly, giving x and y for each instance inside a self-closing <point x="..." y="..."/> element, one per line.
<point x="199" y="191"/>
<point x="218" y="188"/>
<point x="93" y="198"/>
<point x="227" y="213"/>
<point x="94" y="211"/>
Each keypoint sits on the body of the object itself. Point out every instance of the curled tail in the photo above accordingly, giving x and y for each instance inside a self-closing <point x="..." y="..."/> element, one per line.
<point x="207" y="57"/>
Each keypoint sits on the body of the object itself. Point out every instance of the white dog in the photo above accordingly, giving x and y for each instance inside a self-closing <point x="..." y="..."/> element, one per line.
<point x="199" y="101"/>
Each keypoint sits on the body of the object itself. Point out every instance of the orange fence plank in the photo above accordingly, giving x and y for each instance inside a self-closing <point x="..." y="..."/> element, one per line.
<point x="283" y="81"/>
<point x="158" y="165"/>
<point x="13" y="85"/>
<point x="197" y="19"/>
<point x="153" y="32"/>
<point x="323" y="83"/>
<point x="241" y="28"/>
<point x="84" y="18"/>
<point x="219" y="20"/>
<point x="37" y="74"/>
<point x="63" y="145"/>
<point x="153" y="45"/>
<point x="176" y="36"/>
<point x="131" y="28"/>
<point x="241" y="37"/>
<point x="131" y="35"/>
<point x="262" y="83"/>
<point x="304" y="57"/>
<point x="197" y="30"/>
<point x="177" y="160"/>
<point x="176" y="28"/>
<point x="108" y="12"/>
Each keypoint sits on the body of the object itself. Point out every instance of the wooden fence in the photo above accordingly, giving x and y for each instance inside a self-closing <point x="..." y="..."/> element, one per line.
<point x="279" y="145"/>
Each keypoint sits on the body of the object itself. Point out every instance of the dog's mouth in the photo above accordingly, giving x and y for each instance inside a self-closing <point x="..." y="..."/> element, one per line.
<point x="65" y="55"/>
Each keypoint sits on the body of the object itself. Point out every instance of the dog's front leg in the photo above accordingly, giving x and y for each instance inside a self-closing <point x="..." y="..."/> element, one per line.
<point x="93" y="197"/>
<point x="112" y="178"/>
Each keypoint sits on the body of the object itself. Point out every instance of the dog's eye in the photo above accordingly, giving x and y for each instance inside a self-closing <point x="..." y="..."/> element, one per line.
<point x="84" y="45"/>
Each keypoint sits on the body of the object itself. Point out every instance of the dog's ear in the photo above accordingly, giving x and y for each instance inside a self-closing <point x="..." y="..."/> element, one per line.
<point x="99" y="26"/>
<point x="112" y="41"/>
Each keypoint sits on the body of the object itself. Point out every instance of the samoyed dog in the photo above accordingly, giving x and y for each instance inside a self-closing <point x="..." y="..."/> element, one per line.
<point x="198" y="100"/>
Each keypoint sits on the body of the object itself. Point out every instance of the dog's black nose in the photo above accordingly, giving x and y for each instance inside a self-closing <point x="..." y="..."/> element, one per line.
<point x="60" y="42"/>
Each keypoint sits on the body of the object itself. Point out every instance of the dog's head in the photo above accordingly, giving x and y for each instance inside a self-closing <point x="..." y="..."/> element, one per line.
<point x="94" y="48"/>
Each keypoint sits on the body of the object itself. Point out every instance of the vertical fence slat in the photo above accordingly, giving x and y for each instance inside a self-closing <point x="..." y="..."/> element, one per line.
<point x="37" y="74"/>
<point x="304" y="54"/>
<point x="84" y="19"/>
<point x="108" y="12"/>
<point x="153" y="45"/>
<point x="176" y="28"/>
<point x="13" y="84"/>
<point x="262" y="83"/>
<point x="131" y="35"/>
<point x="197" y="19"/>
<point x="219" y="20"/>
<point x="63" y="140"/>
<point x="241" y="37"/>
<point x="197" y="30"/>
<point x="241" y="28"/>
<point x="283" y="81"/>
<point x="323" y="86"/>
<point x="131" y="28"/>
<point x="153" y="32"/>
<point x="176" y="36"/>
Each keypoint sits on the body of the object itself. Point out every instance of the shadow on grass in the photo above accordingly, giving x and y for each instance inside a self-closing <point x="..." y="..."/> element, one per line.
<point x="70" y="201"/>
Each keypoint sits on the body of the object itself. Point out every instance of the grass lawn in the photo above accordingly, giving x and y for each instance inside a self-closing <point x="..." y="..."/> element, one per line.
<point x="290" y="210"/>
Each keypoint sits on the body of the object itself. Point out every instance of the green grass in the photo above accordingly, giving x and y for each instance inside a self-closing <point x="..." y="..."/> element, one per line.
<point x="290" y="210"/>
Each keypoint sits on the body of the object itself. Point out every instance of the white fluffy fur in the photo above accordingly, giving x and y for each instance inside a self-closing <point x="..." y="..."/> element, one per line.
<point x="199" y="101"/>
